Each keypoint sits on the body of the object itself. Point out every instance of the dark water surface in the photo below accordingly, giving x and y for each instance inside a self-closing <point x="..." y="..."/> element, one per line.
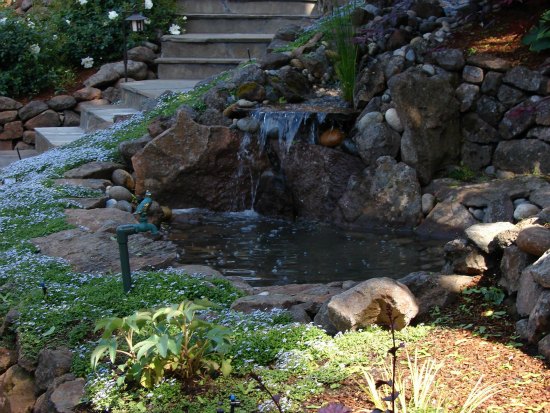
<point x="267" y="251"/>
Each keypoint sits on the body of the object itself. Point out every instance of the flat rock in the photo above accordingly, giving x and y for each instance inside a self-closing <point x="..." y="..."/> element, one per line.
<point x="89" y="203"/>
<point x="61" y="102"/>
<point x="252" y="303"/>
<point x="93" y="170"/>
<point x="447" y="220"/>
<point x="99" y="184"/>
<point x="489" y="62"/>
<point x="534" y="240"/>
<point x="483" y="235"/>
<point x="100" y="219"/>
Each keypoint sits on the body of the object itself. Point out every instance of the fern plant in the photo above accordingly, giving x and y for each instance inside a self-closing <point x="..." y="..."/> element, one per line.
<point x="175" y="343"/>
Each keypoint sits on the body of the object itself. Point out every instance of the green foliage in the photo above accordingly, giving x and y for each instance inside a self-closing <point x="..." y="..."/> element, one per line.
<point x="462" y="173"/>
<point x="341" y="33"/>
<point x="538" y="38"/>
<point x="177" y="343"/>
<point x="492" y="295"/>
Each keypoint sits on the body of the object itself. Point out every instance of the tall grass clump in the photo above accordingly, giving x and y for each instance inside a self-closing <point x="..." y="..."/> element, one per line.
<point x="342" y="33"/>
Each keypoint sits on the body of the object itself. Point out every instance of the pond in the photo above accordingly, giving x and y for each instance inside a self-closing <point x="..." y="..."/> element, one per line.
<point x="267" y="251"/>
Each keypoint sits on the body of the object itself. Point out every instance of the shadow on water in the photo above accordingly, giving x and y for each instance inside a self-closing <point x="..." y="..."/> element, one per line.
<point x="267" y="251"/>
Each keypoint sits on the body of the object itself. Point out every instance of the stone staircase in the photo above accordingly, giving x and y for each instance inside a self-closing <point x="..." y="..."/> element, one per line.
<point x="223" y="33"/>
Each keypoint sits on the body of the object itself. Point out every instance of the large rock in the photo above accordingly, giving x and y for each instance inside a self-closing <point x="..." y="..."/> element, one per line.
<point x="99" y="220"/>
<point x="483" y="235"/>
<point x="525" y="156"/>
<point x="94" y="170"/>
<point x="370" y="82"/>
<point x="47" y="119"/>
<point x="7" y="359"/>
<point x="534" y="240"/>
<point x="65" y="394"/>
<point x="373" y="302"/>
<point x="386" y="196"/>
<point x="490" y="109"/>
<point x="317" y="177"/>
<point x="529" y="292"/>
<point x="192" y="165"/>
<point x="513" y="262"/>
<point x="447" y="220"/>
<point x="16" y="391"/>
<point x="7" y="103"/>
<point x="544" y="347"/>
<point x="376" y="140"/>
<point x="435" y="290"/>
<point x="61" y="102"/>
<point x="463" y="258"/>
<point x="540" y="270"/>
<point x="293" y="86"/>
<point x="98" y="252"/>
<point x="430" y="115"/>
<point x="129" y="148"/>
<point x="52" y="364"/>
<point x="109" y="73"/>
<point x="539" y="319"/>
<point x="477" y="130"/>
<point x="32" y="109"/>
<point x="524" y="78"/>
<point x="142" y="54"/>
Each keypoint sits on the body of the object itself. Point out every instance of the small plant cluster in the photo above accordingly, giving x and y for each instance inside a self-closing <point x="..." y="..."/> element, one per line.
<point x="538" y="38"/>
<point x="41" y="49"/>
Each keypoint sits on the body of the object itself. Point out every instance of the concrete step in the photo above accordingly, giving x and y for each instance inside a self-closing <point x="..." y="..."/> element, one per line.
<point x="48" y="138"/>
<point x="192" y="68"/>
<point x="215" y="46"/>
<point x="240" y="23"/>
<point x="94" y="117"/>
<point x="136" y="94"/>
<point x="9" y="157"/>
<point x="262" y="7"/>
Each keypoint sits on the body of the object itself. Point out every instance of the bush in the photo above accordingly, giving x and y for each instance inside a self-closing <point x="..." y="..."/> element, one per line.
<point x="538" y="38"/>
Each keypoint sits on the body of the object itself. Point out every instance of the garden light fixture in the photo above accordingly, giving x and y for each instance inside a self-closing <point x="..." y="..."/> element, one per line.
<point x="136" y="23"/>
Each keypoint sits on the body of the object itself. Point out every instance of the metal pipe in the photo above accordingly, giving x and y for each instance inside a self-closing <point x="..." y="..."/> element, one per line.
<point x="122" y="233"/>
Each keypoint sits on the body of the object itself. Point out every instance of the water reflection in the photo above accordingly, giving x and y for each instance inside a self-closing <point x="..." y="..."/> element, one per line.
<point x="267" y="251"/>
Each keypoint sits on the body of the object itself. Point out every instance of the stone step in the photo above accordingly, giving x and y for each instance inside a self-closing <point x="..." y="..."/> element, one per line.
<point x="137" y="94"/>
<point x="262" y="7"/>
<point x="48" y="138"/>
<point x="94" y="117"/>
<point x="215" y="46"/>
<point x="240" y="23"/>
<point x="9" y="157"/>
<point x="191" y="68"/>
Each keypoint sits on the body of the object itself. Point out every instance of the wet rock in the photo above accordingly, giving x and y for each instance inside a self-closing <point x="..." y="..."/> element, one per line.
<point x="472" y="74"/>
<point x="524" y="78"/>
<point x="273" y="198"/>
<point x="291" y="85"/>
<point x="248" y="125"/>
<point x="449" y="59"/>
<point x="123" y="178"/>
<point x="93" y="170"/>
<point x="16" y="391"/>
<point x="525" y="156"/>
<point x="332" y="138"/>
<point x="376" y="140"/>
<point x="435" y="290"/>
<point x="387" y="196"/>
<point x="483" y="235"/>
<point x="52" y="364"/>
<point x="529" y="292"/>
<point x="61" y="102"/>
<point x="540" y="270"/>
<point x="371" y="302"/>
<point x="251" y="91"/>
<point x="430" y="115"/>
<point x="513" y="262"/>
<point x="463" y="258"/>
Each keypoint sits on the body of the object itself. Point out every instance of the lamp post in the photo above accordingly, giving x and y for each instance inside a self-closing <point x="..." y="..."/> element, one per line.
<point x="136" y="23"/>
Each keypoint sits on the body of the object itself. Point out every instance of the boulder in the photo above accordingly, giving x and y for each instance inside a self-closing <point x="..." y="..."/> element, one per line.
<point x="111" y="72"/>
<point x="544" y="347"/>
<point x="317" y="177"/>
<point x="272" y="61"/>
<point x="12" y="130"/>
<point x="525" y="210"/>
<point x="529" y="292"/>
<point x="142" y="54"/>
<point x="430" y="115"/>
<point x="123" y="178"/>
<point x="63" y="396"/>
<point x="483" y="235"/>
<point x="16" y="391"/>
<point x="93" y="170"/>
<point x="332" y="137"/>
<point x="61" y="102"/>
<point x="376" y="140"/>
<point x="370" y="82"/>
<point x="449" y="59"/>
<point x="98" y="252"/>
<point x="513" y="262"/>
<point x="475" y="129"/>
<point x="525" y="156"/>
<point x="524" y="78"/>
<point x="32" y="109"/>
<point x="375" y="301"/>
<point x="510" y="96"/>
<point x="542" y="116"/>
<point x="541" y="197"/>
<point x="489" y="62"/>
<point x="472" y="74"/>
<point x="490" y="109"/>
<point x="463" y="258"/>
<point x="51" y="364"/>
<point x="129" y="148"/>
<point x="539" y="319"/>
<point x="46" y="119"/>
<point x="389" y="195"/>
<point x="476" y="157"/>
<point x="293" y="86"/>
<point x="518" y="120"/>
<point x="491" y="83"/>
<point x="7" y="359"/>
<point x="322" y="320"/>
<point x="193" y="165"/>
<point x="8" y="116"/>
<point x="251" y="91"/>
<point x="435" y="290"/>
<point x="428" y="203"/>
<point x="447" y="220"/>
<point x="7" y="103"/>
<point x="392" y="118"/>
<point x="540" y="270"/>
<point x="71" y="118"/>
<point x="467" y="94"/>
<point x="534" y="240"/>
<point x="120" y="193"/>
<point x="87" y="93"/>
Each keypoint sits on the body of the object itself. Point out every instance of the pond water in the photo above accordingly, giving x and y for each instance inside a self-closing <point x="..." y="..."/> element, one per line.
<point x="268" y="251"/>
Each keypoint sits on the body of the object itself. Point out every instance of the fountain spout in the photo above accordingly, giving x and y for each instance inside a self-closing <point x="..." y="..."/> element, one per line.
<point x="122" y="233"/>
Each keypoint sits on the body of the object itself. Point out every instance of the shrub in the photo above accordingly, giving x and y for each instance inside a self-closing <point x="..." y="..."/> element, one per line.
<point x="178" y="344"/>
<point x="538" y="38"/>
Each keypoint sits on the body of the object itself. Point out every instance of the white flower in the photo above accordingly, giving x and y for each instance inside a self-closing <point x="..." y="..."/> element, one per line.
<point x="67" y="21"/>
<point x="34" y="48"/>
<point x="82" y="2"/>
<point x="184" y="17"/>
<point x="30" y="24"/>
<point x="3" y="20"/>
<point x="112" y="15"/>
<point x="148" y="4"/>
<point x="147" y="21"/>
<point x="87" y="62"/>
<point x="174" y="29"/>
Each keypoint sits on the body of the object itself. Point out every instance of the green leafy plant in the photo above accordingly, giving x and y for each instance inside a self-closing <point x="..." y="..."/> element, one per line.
<point x="341" y="33"/>
<point x="176" y="343"/>
<point x="492" y="295"/>
<point x="538" y="38"/>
